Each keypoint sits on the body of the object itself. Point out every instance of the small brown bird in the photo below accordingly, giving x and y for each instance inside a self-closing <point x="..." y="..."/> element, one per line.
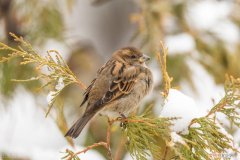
<point x="118" y="88"/>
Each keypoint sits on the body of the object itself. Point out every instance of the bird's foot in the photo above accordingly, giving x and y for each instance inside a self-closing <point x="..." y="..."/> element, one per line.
<point x="123" y="121"/>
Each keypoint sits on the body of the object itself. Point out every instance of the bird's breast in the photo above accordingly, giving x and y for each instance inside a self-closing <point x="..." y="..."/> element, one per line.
<point x="129" y="103"/>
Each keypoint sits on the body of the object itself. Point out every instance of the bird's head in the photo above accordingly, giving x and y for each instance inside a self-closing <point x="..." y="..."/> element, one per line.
<point x="131" y="56"/>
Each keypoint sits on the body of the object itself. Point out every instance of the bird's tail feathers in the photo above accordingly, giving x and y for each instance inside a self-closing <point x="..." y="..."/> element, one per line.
<point x="78" y="126"/>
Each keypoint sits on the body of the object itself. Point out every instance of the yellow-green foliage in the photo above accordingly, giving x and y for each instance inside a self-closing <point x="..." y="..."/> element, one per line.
<point x="53" y="62"/>
<point x="206" y="136"/>
<point x="147" y="136"/>
<point x="143" y="133"/>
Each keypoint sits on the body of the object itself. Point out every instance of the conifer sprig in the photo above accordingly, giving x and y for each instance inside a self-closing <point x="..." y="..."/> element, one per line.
<point x="143" y="133"/>
<point x="206" y="136"/>
<point x="209" y="138"/>
<point x="230" y="103"/>
<point x="58" y="73"/>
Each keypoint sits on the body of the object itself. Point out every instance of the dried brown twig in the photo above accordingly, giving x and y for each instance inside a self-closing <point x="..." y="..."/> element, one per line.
<point x="106" y="144"/>
<point x="161" y="57"/>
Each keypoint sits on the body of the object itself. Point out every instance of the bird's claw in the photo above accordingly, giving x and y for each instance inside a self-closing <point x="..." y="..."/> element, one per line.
<point x="123" y="121"/>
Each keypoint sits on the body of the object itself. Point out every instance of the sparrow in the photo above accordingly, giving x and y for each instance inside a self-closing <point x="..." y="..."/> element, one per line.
<point x="119" y="86"/>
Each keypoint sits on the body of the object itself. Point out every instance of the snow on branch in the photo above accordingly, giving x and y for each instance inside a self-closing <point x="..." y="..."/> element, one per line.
<point x="181" y="131"/>
<point x="230" y="103"/>
<point x="202" y="137"/>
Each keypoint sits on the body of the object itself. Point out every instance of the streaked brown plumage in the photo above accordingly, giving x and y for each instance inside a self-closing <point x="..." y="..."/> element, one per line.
<point x="117" y="89"/>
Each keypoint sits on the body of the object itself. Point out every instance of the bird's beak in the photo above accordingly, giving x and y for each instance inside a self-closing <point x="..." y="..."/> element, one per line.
<point x="144" y="58"/>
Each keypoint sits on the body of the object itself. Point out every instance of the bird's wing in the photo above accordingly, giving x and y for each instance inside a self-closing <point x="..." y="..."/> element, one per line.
<point x="124" y="79"/>
<point x="89" y="89"/>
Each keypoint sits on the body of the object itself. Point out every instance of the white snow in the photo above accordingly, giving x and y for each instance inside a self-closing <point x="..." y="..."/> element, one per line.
<point x="180" y="43"/>
<point x="127" y="157"/>
<point x="50" y="97"/>
<point x="177" y="138"/>
<point x="25" y="132"/>
<point x="23" y="128"/>
<point x="207" y="14"/>
<point x="222" y="118"/>
<point x="205" y="91"/>
<point x="183" y="107"/>
<point x="213" y="16"/>
<point x="227" y="31"/>
<point x="223" y="131"/>
<point x="60" y="85"/>
<point x="62" y="48"/>
<point x="237" y="136"/>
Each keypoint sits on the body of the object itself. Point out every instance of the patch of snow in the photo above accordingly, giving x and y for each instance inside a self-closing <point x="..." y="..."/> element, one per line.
<point x="223" y="131"/>
<point x="183" y="107"/>
<point x="180" y="43"/>
<point x="206" y="92"/>
<point x="25" y="132"/>
<point x="195" y="125"/>
<point x="227" y="31"/>
<point x="60" y="85"/>
<point x="52" y="44"/>
<point x="127" y="157"/>
<point x="222" y="118"/>
<point x="23" y="128"/>
<point x="50" y="96"/>
<point x="207" y="14"/>
<point x="177" y="138"/>
<point x="236" y="136"/>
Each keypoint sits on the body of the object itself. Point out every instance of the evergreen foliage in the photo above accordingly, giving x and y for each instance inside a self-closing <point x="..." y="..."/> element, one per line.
<point x="57" y="69"/>
<point x="143" y="133"/>
<point x="147" y="136"/>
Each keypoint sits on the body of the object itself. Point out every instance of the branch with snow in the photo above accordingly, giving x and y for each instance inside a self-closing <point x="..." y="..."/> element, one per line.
<point x="197" y="134"/>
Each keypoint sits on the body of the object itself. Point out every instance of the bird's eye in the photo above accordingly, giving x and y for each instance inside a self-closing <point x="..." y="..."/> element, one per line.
<point x="133" y="56"/>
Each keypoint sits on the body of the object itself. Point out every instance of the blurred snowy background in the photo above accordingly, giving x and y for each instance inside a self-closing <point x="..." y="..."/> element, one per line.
<point x="203" y="38"/>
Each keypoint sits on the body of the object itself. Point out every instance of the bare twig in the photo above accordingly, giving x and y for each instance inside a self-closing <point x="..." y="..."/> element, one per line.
<point x="165" y="153"/>
<point x="71" y="156"/>
<point x="109" y="138"/>
<point x="104" y="144"/>
<point x="161" y="57"/>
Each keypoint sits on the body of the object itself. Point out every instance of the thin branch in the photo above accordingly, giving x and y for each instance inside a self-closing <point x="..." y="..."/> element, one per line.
<point x="165" y="153"/>
<point x="104" y="144"/>
<point x="162" y="60"/>
<point x="71" y="156"/>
